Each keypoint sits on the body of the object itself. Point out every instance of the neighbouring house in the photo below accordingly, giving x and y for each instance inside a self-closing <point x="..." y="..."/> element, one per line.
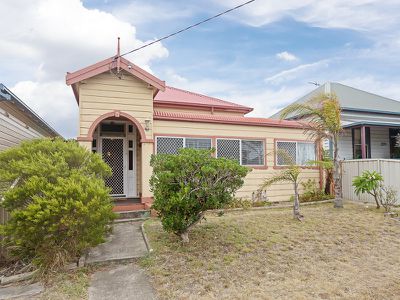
<point x="127" y="114"/>
<point x="371" y="122"/>
<point x="18" y="122"/>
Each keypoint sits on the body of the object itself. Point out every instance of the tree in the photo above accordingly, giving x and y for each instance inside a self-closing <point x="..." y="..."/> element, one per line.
<point x="59" y="206"/>
<point x="323" y="115"/>
<point x="289" y="174"/>
<point x="189" y="183"/>
<point x="369" y="182"/>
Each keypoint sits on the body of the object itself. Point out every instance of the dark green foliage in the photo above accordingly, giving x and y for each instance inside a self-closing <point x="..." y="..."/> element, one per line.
<point x="188" y="184"/>
<point x="60" y="205"/>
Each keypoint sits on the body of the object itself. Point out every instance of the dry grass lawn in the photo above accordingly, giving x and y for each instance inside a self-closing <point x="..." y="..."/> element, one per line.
<point x="351" y="253"/>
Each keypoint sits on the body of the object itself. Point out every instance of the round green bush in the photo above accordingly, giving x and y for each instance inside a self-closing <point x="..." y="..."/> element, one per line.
<point x="60" y="205"/>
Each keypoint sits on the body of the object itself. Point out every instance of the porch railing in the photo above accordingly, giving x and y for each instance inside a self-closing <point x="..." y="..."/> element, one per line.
<point x="389" y="168"/>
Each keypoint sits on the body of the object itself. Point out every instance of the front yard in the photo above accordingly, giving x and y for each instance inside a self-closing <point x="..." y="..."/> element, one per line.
<point x="351" y="253"/>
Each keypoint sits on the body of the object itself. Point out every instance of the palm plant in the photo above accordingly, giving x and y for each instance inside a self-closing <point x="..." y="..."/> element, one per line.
<point x="323" y="115"/>
<point x="289" y="174"/>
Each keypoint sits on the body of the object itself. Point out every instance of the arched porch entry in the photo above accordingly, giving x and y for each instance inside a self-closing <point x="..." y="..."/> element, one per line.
<point x="117" y="137"/>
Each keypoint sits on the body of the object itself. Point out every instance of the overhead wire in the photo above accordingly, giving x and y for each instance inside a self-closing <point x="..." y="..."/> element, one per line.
<point x="188" y="27"/>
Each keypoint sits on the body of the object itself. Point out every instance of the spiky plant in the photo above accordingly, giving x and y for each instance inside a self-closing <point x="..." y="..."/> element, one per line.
<point x="289" y="174"/>
<point x="323" y="115"/>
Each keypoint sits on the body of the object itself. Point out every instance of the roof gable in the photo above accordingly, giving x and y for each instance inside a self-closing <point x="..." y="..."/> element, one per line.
<point x="178" y="97"/>
<point x="109" y="64"/>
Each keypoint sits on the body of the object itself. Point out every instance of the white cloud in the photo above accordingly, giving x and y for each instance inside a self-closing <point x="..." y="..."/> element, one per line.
<point x="41" y="40"/>
<point x="357" y="14"/>
<point x="286" y="56"/>
<point x="52" y="102"/>
<point x="296" y="72"/>
<point x="174" y="79"/>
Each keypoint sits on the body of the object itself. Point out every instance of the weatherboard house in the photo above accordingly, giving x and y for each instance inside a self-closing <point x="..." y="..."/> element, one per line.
<point x="18" y="122"/>
<point x="127" y="114"/>
<point x="371" y="123"/>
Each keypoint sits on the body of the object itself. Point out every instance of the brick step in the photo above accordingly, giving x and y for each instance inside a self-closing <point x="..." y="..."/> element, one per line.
<point x="133" y="214"/>
<point x="129" y="207"/>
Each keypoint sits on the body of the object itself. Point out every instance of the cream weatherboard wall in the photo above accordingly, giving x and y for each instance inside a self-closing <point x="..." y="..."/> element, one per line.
<point x="106" y="93"/>
<point x="278" y="192"/>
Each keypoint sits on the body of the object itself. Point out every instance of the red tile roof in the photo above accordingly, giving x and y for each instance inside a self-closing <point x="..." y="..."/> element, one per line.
<point x="226" y="119"/>
<point x="177" y="97"/>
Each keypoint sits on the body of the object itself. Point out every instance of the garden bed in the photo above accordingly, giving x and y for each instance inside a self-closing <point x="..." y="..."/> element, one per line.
<point x="334" y="253"/>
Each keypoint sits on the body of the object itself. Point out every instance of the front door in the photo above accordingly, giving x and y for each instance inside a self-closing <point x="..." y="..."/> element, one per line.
<point x="113" y="155"/>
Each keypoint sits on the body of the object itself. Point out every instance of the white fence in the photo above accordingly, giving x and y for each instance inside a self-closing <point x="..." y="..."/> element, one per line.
<point x="389" y="168"/>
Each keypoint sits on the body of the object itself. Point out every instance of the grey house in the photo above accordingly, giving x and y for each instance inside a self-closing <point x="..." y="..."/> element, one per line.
<point x="371" y="122"/>
<point x="18" y="122"/>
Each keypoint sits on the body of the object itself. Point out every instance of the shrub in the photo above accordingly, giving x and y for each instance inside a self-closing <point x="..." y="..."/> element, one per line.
<point x="369" y="182"/>
<point x="387" y="197"/>
<point x="312" y="192"/>
<point x="60" y="205"/>
<point x="188" y="184"/>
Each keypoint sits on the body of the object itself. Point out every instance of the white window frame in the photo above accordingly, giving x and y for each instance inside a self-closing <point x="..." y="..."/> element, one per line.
<point x="296" y="142"/>
<point x="240" y="149"/>
<point x="183" y="139"/>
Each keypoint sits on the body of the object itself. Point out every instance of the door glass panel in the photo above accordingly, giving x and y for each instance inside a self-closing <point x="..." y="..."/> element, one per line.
<point x="112" y="152"/>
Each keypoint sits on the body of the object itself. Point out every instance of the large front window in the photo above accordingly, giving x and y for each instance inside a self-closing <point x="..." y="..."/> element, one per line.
<point x="294" y="152"/>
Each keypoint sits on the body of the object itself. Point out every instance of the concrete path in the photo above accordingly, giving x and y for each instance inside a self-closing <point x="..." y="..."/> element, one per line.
<point x="124" y="280"/>
<point x="125" y="243"/>
<point x="27" y="291"/>
<point x="121" y="282"/>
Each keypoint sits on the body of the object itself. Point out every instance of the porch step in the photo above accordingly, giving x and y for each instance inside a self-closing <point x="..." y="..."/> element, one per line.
<point x="129" y="207"/>
<point x="133" y="214"/>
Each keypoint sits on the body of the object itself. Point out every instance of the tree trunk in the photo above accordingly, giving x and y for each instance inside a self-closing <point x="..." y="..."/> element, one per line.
<point x="328" y="183"/>
<point x="375" y="194"/>
<point x="185" y="237"/>
<point x="337" y="176"/>
<point x="296" y="204"/>
<point x="185" y="234"/>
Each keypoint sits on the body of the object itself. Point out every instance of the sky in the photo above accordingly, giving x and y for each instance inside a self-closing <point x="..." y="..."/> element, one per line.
<point x="263" y="55"/>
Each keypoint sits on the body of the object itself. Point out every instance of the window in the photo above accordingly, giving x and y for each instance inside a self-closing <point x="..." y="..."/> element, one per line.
<point x="394" y="135"/>
<point x="296" y="152"/>
<point x="197" y="143"/>
<point x="252" y="153"/>
<point x="356" y="138"/>
<point x="229" y="149"/>
<point x="246" y="152"/>
<point x="171" y="145"/>
<point x="112" y="129"/>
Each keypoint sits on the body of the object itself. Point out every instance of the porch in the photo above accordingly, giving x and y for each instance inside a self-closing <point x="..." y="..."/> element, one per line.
<point x="370" y="140"/>
<point x="118" y="139"/>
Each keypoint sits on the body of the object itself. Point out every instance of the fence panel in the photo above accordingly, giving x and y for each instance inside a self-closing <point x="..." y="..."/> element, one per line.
<point x="389" y="168"/>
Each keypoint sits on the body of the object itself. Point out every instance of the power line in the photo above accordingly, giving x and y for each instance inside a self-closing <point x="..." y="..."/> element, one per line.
<point x="189" y="27"/>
